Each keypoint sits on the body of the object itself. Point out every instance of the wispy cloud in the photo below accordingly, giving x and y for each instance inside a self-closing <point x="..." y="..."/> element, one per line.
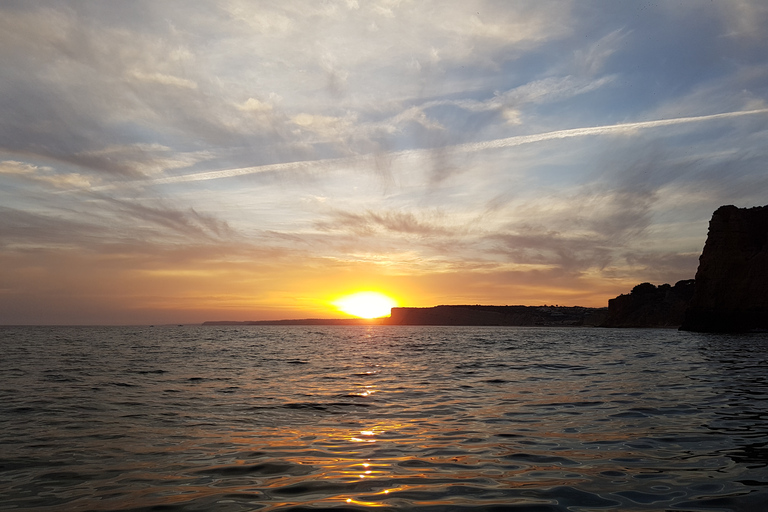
<point x="188" y="223"/>
<point x="402" y="223"/>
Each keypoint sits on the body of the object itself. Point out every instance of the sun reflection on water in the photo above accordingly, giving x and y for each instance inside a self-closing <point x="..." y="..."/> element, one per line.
<point x="367" y="391"/>
<point x="366" y="436"/>
<point x="364" y="503"/>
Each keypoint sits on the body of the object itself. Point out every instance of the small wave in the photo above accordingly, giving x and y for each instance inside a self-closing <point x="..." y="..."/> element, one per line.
<point x="646" y="498"/>
<point x="299" y="406"/>
<point x="267" y="468"/>
<point x="55" y="377"/>
<point x="541" y="459"/>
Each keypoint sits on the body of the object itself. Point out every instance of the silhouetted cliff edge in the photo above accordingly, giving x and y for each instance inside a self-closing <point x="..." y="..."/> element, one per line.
<point x="732" y="280"/>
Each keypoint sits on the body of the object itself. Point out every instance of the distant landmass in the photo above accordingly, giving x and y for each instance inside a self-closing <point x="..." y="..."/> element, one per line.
<point x="728" y="294"/>
<point x="544" y="316"/>
<point x="477" y="315"/>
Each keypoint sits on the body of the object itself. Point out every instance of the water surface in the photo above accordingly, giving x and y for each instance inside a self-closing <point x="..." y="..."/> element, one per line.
<point x="401" y="418"/>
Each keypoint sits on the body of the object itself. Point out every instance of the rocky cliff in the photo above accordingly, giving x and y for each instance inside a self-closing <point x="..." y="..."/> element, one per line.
<point x="732" y="280"/>
<point x="651" y="306"/>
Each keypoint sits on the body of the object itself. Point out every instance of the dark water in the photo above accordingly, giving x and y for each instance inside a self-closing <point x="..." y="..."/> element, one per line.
<point x="409" y="418"/>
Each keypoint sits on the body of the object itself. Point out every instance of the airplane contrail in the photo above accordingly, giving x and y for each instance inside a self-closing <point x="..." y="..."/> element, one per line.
<point x="240" y="171"/>
<point x="597" y="130"/>
<point x="469" y="147"/>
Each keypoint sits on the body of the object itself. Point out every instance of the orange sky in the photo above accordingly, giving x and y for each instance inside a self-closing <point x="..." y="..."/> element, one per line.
<point x="101" y="288"/>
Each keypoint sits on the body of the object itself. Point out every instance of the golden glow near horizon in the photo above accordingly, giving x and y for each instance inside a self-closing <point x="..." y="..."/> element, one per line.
<point x="366" y="304"/>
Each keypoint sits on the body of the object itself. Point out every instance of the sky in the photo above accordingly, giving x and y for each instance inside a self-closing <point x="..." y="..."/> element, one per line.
<point x="184" y="161"/>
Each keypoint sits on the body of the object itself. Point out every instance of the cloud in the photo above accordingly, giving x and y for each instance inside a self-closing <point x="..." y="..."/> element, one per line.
<point x="100" y="220"/>
<point x="549" y="90"/>
<point x="586" y="229"/>
<point x="591" y="60"/>
<point x="163" y="78"/>
<point x="662" y="267"/>
<point x="136" y="160"/>
<point x="256" y="106"/>
<point x="745" y="18"/>
<point x="20" y="228"/>
<point x="328" y="129"/>
<point x="371" y="223"/>
<point x="97" y="72"/>
<point x="173" y="222"/>
<point x="552" y="250"/>
<point x="45" y="175"/>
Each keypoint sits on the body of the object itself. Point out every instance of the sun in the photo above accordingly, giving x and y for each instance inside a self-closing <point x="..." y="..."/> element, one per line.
<point x="366" y="304"/>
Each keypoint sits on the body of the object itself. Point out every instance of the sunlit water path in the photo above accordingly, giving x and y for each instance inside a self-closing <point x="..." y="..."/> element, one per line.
<point x="409" y="418"/>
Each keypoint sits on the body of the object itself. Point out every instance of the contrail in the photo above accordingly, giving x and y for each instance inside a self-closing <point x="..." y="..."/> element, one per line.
<point x="469" y="147"/>
<point x="597" y="130"/>
<point x="240" y="171"/>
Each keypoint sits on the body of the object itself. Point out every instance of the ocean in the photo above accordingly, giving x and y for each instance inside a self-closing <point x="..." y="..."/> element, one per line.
<point x="346" y="418"/>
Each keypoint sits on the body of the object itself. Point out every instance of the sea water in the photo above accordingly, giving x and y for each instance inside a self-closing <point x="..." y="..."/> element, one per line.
<point x="407" y="418"/>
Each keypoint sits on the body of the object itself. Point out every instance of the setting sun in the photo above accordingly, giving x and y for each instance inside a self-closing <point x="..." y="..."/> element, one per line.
<point x="366" y="304"/>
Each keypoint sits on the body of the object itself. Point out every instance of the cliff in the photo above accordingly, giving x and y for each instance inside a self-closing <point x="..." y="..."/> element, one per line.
<point x="546" y="316"/>
<point x="732" y="279"/>
<point x="650" y="306"/>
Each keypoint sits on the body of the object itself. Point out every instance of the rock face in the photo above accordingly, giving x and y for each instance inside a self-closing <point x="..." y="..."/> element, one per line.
<point x="651" y="306"/>
<point x="732" y="280"/>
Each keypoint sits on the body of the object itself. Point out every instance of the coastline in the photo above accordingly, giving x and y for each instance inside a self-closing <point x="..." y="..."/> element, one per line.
<point x="461" y="315"/>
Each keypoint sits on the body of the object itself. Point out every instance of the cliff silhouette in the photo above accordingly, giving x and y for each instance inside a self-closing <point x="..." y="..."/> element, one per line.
<point x="729" y="292"/>
<point x="732" y="279"/>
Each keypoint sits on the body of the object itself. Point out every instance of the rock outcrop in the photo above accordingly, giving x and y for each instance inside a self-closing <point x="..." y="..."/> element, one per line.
<point x="732" y="280"/>
<point x="651" y="306"/>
